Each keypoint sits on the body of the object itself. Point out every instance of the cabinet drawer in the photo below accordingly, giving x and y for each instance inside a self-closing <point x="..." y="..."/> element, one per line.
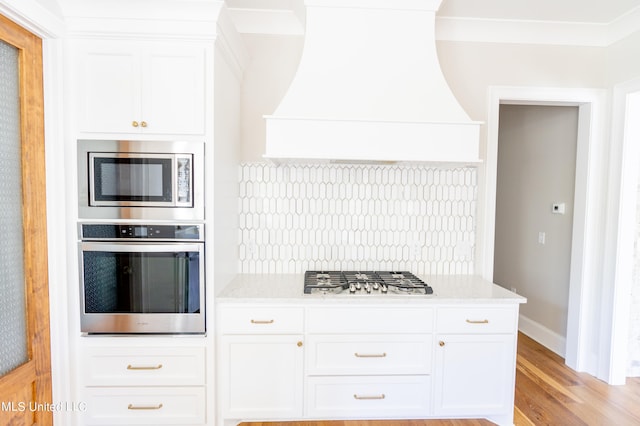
<point x="137" y="366"/>
<point x="370" y="320"/>
<point x="477" y="320"/>
<point x="369" y="354"/>
<point x="262" y="320"/>
<point x="145" y="406"/>
<point x="368" y="397"/>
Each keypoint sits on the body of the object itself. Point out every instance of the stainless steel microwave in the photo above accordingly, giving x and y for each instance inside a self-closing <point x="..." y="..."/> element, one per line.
<point x="142" y="278"/>
<point x="122" y="179"/>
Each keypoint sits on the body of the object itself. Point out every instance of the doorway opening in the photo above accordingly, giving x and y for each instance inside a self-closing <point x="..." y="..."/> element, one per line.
<point x="534" y="215"/>
<point x="585" y="320"/>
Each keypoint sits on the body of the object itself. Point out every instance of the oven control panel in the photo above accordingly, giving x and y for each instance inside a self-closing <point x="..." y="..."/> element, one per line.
<point x="164" y="232"/>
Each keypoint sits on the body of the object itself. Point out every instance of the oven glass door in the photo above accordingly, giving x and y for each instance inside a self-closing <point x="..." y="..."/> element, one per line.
<point x="134" y="278"/>
<point x="142" y="179"/>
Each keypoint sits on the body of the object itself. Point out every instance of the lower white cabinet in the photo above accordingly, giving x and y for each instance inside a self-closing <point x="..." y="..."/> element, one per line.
<point x="262" y="377"/>
<point x="392" y="361"/>
<point x="261" y="355"/>
<point x="474" y="375"/>
<point x="475" y="360"/>
<point x="142" y="383"/>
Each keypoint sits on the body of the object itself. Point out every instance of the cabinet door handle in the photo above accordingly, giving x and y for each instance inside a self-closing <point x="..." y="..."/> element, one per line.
<point x="144" y="367"/>
<point x="441" y="343"/>
<point x="382" y="355"/>
<point x="485" y="321"/>
<point x="143" y="124"/>
<point x="262" y="321"/>
<point x="135" y="123"/>
<point x="144" y="407"/>
<point x="364" y="397"/>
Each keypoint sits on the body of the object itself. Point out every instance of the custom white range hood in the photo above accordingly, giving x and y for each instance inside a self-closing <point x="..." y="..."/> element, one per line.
<point x="369" y="88"/>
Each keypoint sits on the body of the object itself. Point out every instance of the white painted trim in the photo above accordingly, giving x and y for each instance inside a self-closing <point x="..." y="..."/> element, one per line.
<point x="267" y="21"/>
<point x="623" y="181"/>
<point x="57" y="230"/>
<point x="230" y="44"/>
<point x="541" y="334"/>
<point x="624" y="26"/>
<point x="521" y="32"/>
<point x="32" y="16"/>
<point x="290" y="22"/>
<point x="585" y="298"/>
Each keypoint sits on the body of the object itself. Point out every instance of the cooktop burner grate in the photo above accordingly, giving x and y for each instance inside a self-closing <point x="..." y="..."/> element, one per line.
<point x="361" y="282"/>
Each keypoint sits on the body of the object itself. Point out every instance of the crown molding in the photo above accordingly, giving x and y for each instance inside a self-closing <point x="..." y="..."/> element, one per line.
<point x="134" y="18"/>
<point x="288" y="22"/>
<point x="521" y="32"/>
<point x="267" y="21"/>
<point x="624" y="26"/>
<point x="230" y="45"/>
<point x="34" y="17"/>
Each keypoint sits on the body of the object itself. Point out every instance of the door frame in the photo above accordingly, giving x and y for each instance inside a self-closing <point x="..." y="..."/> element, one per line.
<point x="586" y="293"/>
<point x="623" y="185"/>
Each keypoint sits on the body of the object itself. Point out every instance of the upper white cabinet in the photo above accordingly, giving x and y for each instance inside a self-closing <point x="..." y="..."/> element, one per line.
<point x="141" y="87"/>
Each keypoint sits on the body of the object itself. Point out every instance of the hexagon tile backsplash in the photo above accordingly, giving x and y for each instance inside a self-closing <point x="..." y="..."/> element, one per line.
<point x="298" y="217"/>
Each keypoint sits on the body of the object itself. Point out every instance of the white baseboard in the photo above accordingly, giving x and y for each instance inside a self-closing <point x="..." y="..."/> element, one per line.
<point x="541" y="334"/>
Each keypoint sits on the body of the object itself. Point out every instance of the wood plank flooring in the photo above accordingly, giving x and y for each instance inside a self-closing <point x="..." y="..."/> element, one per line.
<point x="547" y="393"/>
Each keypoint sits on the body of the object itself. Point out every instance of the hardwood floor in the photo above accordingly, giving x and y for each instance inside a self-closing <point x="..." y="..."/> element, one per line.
<point x="547" y="393"/>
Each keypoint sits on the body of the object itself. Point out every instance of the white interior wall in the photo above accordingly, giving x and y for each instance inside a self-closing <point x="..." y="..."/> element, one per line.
<point x="224" y="155"/>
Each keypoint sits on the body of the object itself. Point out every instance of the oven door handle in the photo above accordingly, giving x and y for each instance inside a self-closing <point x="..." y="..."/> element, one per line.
<point x="148" y="247"/>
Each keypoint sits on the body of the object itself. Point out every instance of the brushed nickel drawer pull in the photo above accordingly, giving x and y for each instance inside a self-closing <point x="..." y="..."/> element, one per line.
<point x="382" y="355"/>
<point x="144" y="407"/>
<point x="486" y="321"/>
<point x="261" y="321"/>
<point x="365" y="397"/>
<point x="150" y="367"/>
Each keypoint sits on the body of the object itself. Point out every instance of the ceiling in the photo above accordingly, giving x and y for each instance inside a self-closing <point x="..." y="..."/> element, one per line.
<point x="287" y="16"/>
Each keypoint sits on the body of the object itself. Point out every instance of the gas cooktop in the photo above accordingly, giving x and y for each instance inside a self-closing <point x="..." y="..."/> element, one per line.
<point x="364" y="282"/>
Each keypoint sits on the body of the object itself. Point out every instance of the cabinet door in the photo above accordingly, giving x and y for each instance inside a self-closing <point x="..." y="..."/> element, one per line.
<point x="262" y="377"/>
<point x="109" y="91"/>
<point x="173" y="89"/>
<point x="474" y="374"/>
<point x="141" y="87"/>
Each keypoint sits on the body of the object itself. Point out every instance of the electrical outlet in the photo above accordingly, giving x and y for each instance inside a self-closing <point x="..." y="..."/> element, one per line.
<point x="416" y="251"/>
<point x="542" y="237"/>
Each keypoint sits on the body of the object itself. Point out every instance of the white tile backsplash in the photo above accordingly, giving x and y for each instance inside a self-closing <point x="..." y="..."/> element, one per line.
<point x="297" y="217"/>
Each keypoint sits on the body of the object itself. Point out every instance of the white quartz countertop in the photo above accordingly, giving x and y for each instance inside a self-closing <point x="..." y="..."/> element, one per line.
<point x="288" y="288"/>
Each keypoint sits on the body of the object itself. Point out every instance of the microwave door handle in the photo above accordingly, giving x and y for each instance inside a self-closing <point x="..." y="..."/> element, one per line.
<point x="150" y="247"/>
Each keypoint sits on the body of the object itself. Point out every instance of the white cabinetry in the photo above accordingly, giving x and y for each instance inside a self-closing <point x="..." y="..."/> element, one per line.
<point x="261" y="354"/>
<point x="475" y="361"/>
<point x="368" y="362"/>
<point x="141" y="87"/>
<point x="140" y="385"/>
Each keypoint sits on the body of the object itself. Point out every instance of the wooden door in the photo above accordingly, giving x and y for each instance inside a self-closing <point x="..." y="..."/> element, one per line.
<point x="25" y="381"/>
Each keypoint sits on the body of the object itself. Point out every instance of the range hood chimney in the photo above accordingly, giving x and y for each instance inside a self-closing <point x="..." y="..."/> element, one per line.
<point x="369" y="89"/>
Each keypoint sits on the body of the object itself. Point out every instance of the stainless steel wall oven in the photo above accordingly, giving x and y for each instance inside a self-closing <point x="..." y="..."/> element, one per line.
<point x="142" y="278"/>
